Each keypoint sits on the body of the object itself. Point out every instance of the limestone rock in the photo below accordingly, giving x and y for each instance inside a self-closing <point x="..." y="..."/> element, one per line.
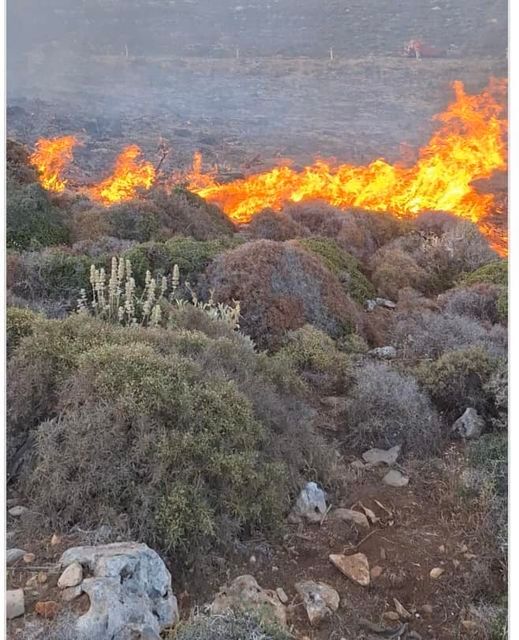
<point x="245" y="593"/>
<point x="384" y="353"/>
<point x="310" y="504"/>
<point x="376" y="571"/>
<point x="47" y="609"/>
<point x="14" y="603"/>
<point x="320" y="600"/>
<point x="436" y="572"/>
<point x="130" y="590"/>
<point x="394" y="478"/>
<point x="17" y="511"/>
<point x="470" y="425"/>
<point x="382" y="456"/>
<point x="71" y="577"/>
<point x="13" y="555"/>
<point x="71" y="593"/>
<point x="349" y="515"/>
<point x="282" y="595"/>
<point x="355" y="567"/>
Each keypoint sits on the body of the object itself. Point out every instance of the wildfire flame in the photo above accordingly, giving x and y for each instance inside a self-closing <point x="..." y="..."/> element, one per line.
<point x="50" y="158"/>
<point x="129" y="175"/>
<point x="469" y="145"/>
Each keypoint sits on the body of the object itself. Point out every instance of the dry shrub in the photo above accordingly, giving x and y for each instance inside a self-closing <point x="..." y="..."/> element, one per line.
<point x="479" y="301"/>
<point x="171" y="436"/>
<point x="387" y="408"/>
<point x="457" y="380"/>
<point x="18" y="167"/>
<point x="19" y="323"/>
<point x="185" y="213"/>
<point x="281" y="287"/>
<point x="245" y="625"/>
<point x="427" y="334"/>
<point x="272" y="225"/>
<point x="89" y="224"/>
<point x="393" y="269"/>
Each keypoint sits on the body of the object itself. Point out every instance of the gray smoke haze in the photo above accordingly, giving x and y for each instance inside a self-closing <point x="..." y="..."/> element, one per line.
<point x="246" y="76"/>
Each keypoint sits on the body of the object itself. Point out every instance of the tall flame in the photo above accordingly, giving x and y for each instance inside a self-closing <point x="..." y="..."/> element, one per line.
<point x="129" y="175"/>
<point x="51" y="157"/>
<point x="469" y="145"/>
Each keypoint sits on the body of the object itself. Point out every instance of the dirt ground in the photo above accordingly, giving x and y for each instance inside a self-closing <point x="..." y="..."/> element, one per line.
<point x="422" y="526"/>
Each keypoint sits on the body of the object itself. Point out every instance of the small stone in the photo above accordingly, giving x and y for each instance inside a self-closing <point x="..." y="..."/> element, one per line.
<point x="384" y="302"/>
<point x="13" y="555"/>
<point x="436" y="572"/>
<point x="14" y="603"/>
<point x="427" y="609"/>
<point x="382" y="456"/>
<point x="55" y="540"/>
<point x="391" y="615"/>
<point x="401" y="610"/>
<point x="384" y="353"/>
<point x="376" y="571"/>
<point x="394" y="478"/>
<point x="469" y="556"/>
<point x="17" y="511"/>
<point x="320" y="600"/>
<point x="357" y="464"/>
<point x="47" y="609"/>
<point x="72" y="576"/>
<point x="355" y="567"/>
<point x="42" y="577"/>
<point x="349" y="515"/>
<point x="252" y="559"/>
<point x="441" y="548"/>
<point x="470" y="425"/>
<point x="383" y="554"/>
<point x="32" y="582"/>
<point x="274" y="568"/>
<point x="310" y="505"/>
<point x="29" y="558"/>
<point x="282" y="595"/>
<point x="71" y="593"/>
<point x="456" y="563"/>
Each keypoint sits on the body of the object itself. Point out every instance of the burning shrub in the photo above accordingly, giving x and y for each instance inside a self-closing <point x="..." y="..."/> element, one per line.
<point x="343" y="265"/>
<point x="479" y="301"/>
<point x="393" y="269"/>
<point x="457" y="380"/>
<point x="182" y="212"/>
<point x="424" y="333"/>
<point x="194" y="439"/>
<point x="387" y="408"/>
<point x="272" y="225"/>
<point x="281" y="287"/>
<point x="18" y="167"/>
<point x="31" y="219"/>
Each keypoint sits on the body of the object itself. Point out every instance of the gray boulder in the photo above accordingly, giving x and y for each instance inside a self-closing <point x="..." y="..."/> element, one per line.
<point x="470" y="425"/>
<point x="382" y="456"/>
<point x="383" y="353"/>
<point x="129" y="591"/>
<point x="13" y="555"/>
<point x="310" y="504"/>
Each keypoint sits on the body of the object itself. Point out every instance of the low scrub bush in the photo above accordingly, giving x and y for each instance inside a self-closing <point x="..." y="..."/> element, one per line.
<point x="272" y="225"/>
<point x="19" y="323"/>
<point x="343" y="265"/>
<point x="479" y="301"/>
<point x="229" y="626"/>
<point x="386" y="408"/>
<point x="393" y="270"/>
<point x="495" y="272"/>
<point x="32" y="221"/>
<point x="457" y="380"/>
<point x="428" y="334"/>
<point x="171" y="436"/>
<point x="281" y="287"/>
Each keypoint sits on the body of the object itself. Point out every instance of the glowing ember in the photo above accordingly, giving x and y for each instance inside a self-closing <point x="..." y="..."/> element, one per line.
<point x="129" y="175"/>
<point x="468" y="146"/>
<point x="50" y="158"/>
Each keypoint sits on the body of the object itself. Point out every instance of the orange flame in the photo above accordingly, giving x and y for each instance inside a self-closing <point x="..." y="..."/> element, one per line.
<point x="469" y="145"/>
<point x="50" y="158"/>
<point x="129" y="175"/>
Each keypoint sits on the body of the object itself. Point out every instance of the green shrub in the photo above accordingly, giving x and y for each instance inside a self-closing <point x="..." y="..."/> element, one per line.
<point x="457" y="380"/>
<point x="497" y="390"/>
<point x="175" y="437"/>
<point x="343" y="265"/>
<point x="136" y="220"/>
<point x="313" y="351"/>
<point x="502" y="306"/>
<point x="31" y="219"/>
<point x="394" y="269"/>
<point x="494" y="272"/>
<point x="19" y="323"/>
